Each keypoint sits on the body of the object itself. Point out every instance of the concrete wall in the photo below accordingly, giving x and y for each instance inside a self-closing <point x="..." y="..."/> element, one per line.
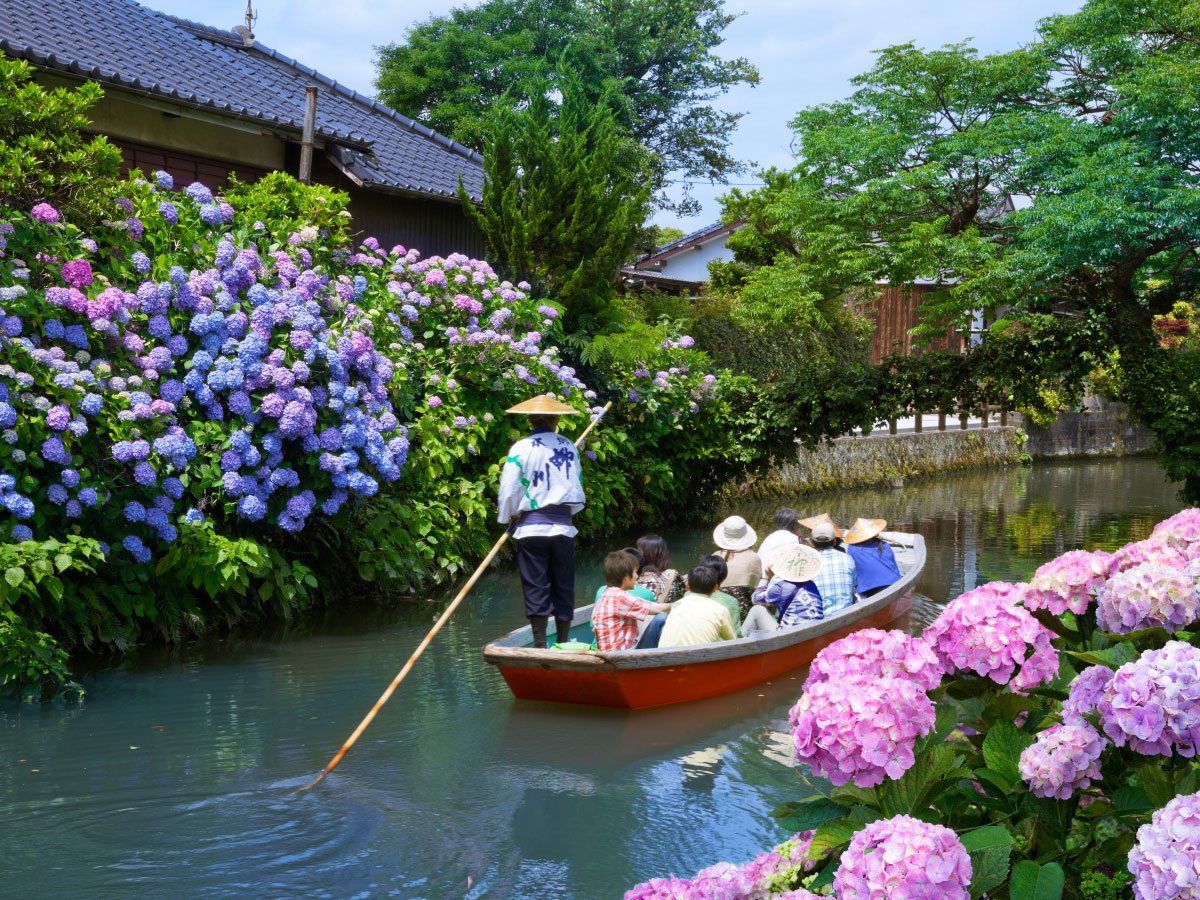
<point x="882" y="458"/>
<point x="1105" y="429"/>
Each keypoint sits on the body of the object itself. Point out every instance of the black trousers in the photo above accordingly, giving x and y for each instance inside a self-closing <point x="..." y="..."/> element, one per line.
<point x="547" y="566"/>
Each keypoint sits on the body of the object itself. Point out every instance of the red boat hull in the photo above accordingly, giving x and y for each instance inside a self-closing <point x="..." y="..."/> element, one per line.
<point x="641" y="688"/>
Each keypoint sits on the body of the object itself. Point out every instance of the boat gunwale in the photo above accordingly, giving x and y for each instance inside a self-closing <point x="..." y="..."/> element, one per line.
<point x="513" y="649"/>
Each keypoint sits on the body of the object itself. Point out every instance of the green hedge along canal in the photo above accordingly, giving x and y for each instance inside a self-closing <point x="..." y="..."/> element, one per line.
<point x="175" y="776"/>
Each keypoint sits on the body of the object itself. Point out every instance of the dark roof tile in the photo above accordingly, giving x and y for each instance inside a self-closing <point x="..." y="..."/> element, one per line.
<point x="124" y="44"/>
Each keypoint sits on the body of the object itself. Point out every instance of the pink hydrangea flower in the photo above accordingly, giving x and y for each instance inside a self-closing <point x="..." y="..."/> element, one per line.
<point x="984" y="631"/>
<point x="768" y="875"/>
<point x="1146" y="596"/>
<point x="1165" y="861"/>
<point x="1152" y="549"/>
<point x="77" y="273"/>
<point x="1181" y="531"/>
<point x="44" y="212"/>
<point x="1065" y="759"/>
<point x="1086" y="694"/>
<point x="903" y="857"/>
<point x="1069" y="582"/>
<point x="1153" y="703"/>
<point x="860" y="730"/>
<point x="872" y="653"/>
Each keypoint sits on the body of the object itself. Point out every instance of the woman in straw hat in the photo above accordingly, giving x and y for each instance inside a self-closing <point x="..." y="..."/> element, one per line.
<point x="736" y="540"/>
<point x="540" y="489"/>
<point x="873" y="558"/>
<point x="791" y="589"/>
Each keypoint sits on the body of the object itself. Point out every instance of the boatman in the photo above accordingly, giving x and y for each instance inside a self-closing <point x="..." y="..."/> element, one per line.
<point x="540" y="489"/>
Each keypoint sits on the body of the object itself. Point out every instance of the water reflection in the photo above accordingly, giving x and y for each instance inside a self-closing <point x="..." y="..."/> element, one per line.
<point x="176" y="776"/>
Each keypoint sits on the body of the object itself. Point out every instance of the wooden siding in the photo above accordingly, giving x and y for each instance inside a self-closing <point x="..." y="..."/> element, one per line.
<point x="183" y="167"/>
<point x="431" y="226"/>
<point x="894" y="315"/>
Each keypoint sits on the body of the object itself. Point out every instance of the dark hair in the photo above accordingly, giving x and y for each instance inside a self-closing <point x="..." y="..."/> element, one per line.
<point x="715" y="562"/>
<point x="618" y="566"/>
<point x="636" y="554"/>
<point x="655" y="556"/>
<point x="703" y="579"/>
<point x="543" y="420"/>
<point x="786" y="519"/>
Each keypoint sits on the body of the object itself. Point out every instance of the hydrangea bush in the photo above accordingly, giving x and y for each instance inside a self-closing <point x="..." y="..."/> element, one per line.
<point x="1057" y="758"/>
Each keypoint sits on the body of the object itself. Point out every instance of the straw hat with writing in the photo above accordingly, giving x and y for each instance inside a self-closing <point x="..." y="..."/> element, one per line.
<point x="864" y="530"/>
<point x="544" y="405"/>
<point x="812" y="521"/>
<point x="734" y="534"/>
<point x="796" y="562"/>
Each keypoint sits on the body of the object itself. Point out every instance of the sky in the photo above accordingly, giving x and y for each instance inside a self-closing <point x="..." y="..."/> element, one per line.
<point x="806" y="50"/>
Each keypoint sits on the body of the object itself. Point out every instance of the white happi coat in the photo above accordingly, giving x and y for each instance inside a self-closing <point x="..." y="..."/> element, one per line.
<point x="541" y="470"/>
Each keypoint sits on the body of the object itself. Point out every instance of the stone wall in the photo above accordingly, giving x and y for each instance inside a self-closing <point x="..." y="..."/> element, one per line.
<point x="1103" y="429"/>
<point x="882" y="458"/>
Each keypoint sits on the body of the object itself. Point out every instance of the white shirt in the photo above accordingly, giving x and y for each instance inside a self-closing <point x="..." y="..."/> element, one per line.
<point x="772" y="543"/>
<point x="541" y="470"/>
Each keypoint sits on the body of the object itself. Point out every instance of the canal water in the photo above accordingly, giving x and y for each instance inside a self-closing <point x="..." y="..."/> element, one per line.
<point x="175" y="776"/>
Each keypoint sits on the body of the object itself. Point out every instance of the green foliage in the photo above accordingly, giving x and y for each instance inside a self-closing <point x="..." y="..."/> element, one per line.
<point x="289" y="205"/>
<point x="564" y="197"/>
<point x="658" y="54"/>
<point x="44" y="155"/>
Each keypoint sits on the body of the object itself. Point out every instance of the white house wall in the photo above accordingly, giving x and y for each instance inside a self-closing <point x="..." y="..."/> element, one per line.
<point x="692" y="265"/>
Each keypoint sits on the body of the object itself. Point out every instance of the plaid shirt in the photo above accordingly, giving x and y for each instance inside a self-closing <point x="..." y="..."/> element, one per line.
<point x="615" y="619"/>
<point x="837" y="581"/>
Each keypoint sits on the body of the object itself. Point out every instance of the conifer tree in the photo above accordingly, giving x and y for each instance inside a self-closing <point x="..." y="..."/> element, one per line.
<point x="565" y="194"/>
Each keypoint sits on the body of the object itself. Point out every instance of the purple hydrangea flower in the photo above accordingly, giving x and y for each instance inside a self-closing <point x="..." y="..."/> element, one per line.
<point x="1086" y="694"/>
<point x="1146" y="596"/>
<point x="1070" y="581"/>
<point x="1064" y="760"/>
<point x="170" y="214"/>
<point x="1153" y="703"/>
<point x="1165" y="861"/>
<point x="44" y="212"/>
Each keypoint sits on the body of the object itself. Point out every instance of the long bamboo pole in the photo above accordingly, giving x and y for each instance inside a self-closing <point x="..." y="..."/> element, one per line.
<point x="437" y="626"/>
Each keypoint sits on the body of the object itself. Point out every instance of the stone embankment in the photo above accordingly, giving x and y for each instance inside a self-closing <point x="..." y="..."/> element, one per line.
<point x="881" y="458"/>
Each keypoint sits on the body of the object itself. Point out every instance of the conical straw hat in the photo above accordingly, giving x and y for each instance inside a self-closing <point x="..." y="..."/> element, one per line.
<point x="796" y="562"/>
<point x="864" y="530"/>
<point x="812" y="521"/>
<point x="543" y="405"/>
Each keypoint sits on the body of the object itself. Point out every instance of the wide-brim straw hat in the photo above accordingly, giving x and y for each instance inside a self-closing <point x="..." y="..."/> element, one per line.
<point x="864" y="530"/>
<point x="812" y="521"/>
<point x="543" y="405"/>
<point x="734" y="534"/>
<point x="796" y="562"/>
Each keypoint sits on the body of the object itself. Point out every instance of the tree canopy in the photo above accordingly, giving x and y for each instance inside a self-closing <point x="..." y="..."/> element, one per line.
<point x="658" y="53"/>
<point x="1091" y="129"/>
<point x="565" y="193"/>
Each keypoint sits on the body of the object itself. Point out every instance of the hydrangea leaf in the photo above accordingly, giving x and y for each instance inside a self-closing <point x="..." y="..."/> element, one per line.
<point x="989" y="848"/>
<point x="1002" y="749"/>
<point x="810" y="814"/>
<point x="1113" y="657"/>
<point x="1033" y="882"/>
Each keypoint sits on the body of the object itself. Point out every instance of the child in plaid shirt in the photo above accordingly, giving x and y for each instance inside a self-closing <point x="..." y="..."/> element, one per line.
<point x="617" y="614"/>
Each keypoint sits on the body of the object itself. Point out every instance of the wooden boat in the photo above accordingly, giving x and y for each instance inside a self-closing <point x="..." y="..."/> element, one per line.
<point x="638" y="679"/>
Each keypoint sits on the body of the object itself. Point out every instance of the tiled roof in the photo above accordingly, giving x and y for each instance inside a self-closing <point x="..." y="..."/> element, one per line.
<point x="125" y="45"/>
<point x="680" y="243"/>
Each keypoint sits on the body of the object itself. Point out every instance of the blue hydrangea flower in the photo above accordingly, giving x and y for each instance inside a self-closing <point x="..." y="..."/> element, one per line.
<point x="134" y="512"/>
<point x="22" y="533"/>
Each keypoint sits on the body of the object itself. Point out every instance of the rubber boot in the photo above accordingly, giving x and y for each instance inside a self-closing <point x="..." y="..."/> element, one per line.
<point x="563" y="627"/>
<point x="538" y="625"/>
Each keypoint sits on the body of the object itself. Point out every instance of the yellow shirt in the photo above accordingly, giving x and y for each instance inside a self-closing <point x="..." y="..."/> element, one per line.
<point x="696" y="619"/>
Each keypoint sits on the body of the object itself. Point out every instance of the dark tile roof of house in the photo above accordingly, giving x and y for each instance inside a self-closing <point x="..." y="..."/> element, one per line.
<point x="128" y="46"/>
<point x="699" y="235"/>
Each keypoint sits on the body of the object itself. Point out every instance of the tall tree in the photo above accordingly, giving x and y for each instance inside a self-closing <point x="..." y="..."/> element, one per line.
<point x="564" y="196"/>
<point x="659" y="53"/>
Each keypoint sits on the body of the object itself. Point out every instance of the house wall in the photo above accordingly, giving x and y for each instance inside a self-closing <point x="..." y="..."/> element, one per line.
<point x="692" y="265"/>
<point x="894" y="313"/>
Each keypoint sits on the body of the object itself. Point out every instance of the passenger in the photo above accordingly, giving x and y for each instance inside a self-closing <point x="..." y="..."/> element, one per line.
<point x="697" y="618"/>
<point x="657" y="574"/>
<point x="876" y="562"/>
<point x="838" y="578"/>
<point x="638" y="590"/>
<point x="736" y="541"/>
<point x="787" y="531"/>
<point x="618" y="613"/>
<point x="726" y="600"/>
<point x="791" y="589"/>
